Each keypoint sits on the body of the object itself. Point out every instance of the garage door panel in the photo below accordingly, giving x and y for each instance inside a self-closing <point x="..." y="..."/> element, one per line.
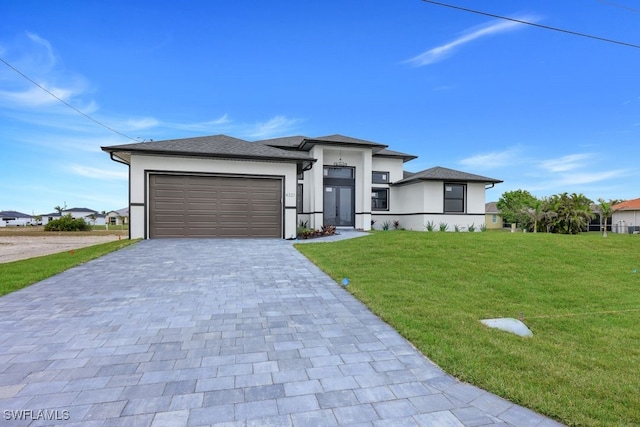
<point x="209" y="206"/>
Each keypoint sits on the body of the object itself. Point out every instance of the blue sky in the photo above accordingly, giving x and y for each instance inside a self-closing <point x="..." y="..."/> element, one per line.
<point x="543" y="111"/>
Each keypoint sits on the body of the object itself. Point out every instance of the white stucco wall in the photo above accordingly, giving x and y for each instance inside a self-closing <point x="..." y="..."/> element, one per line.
<point x="621" y="220"/>
<point x="142" y="165"/>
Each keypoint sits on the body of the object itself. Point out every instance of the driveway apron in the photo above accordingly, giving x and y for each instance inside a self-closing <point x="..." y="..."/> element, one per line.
<point x="218" y="332"/>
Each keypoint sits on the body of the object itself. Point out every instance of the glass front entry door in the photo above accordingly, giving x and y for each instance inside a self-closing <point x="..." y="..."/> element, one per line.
<point x="338" y="205"/>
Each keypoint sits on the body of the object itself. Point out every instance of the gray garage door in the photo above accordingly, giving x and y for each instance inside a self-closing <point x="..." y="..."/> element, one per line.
<point x="213" y="206"/>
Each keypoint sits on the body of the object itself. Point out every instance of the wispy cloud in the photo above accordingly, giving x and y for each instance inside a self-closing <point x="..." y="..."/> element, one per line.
<point x="566" y="163"/>
<point x="441" y="52"/>
<point x="493" y="159"/>
<point x="98" y="173"/>
<point x="277" y="125"/>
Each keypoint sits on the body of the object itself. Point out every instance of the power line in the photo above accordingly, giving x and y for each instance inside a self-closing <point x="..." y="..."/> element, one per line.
<point x="65" y="102"/>
<point x="621" y="6"/>
<point x="546" y="27"/>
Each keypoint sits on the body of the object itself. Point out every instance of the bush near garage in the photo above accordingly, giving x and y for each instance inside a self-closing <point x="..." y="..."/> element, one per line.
<point x="67" y="223"/>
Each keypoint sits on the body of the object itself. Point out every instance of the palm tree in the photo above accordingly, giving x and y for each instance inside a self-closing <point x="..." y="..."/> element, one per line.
<point x="534" y="213"/>
<point x="605" y="210"/>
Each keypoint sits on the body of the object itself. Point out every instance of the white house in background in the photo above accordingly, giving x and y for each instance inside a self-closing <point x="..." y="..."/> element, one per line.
<point x="219" y="186"/>
<point x="15" y="219"/>
<point x="89" y="215"/>
<point x="119" y="217"/>
<point x="626" y="217"/>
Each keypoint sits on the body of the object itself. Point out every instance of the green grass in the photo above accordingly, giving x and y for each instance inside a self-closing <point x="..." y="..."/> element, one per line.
<point x="579" y="296"/>
<point x="19" y="274"/>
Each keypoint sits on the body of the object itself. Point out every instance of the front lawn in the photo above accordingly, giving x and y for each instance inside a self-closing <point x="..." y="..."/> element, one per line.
<point x="19" y="274"/>
<point x="580" y="295"/>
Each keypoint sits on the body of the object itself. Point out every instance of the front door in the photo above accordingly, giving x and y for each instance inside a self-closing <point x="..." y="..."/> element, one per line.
<point x="338" y="205"/>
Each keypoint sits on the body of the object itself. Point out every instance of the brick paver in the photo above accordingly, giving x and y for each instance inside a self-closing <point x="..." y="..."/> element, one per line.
<point x="200" y="332"/>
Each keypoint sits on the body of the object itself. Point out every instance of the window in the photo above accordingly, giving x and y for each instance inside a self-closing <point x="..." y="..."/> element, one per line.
<point x="338" y="172"/>
<point x="380" y="177"/>
<point x="299" y="199"/>
<point x="454" y="195"/>
<point x="113" y="220"/>
<point x="494" y="218"/>
<point x="380" y="199"/>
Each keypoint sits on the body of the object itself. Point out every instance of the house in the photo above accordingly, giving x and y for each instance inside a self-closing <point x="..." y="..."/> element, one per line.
<point x="15" y="219"/>
<point x="626" y="217"/>
<point x="89" y="215"/>
<point x="50" y="217"/>
<point x="119" y="217"/>
<point x="493" y="219"/>
<point x="220" y="186"/>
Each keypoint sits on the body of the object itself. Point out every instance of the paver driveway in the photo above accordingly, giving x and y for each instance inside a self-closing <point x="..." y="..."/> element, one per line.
<point x="201" y="332"/>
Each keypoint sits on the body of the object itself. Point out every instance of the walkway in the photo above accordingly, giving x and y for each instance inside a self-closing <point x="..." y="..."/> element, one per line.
<point x="201" y="332"/>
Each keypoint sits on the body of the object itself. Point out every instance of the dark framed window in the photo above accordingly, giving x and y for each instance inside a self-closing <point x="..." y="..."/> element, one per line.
<point x="299" y="198"/>
<point x="338" y="172"/>
<point x="379" y="199"/>
<point x="454" y="197"/>
<point x="378" y="177"/>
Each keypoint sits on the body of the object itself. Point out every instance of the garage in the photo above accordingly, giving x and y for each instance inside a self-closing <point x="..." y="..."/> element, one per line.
<point x="214" y="206"/>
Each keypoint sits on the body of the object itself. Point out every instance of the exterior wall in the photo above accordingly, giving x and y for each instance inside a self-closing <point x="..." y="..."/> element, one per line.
<point x="414" y="205"/>
<point x="142" y="165"/>
<point x="313" y="184"/>
<point x="623" y="220"/>
<point x="388" y="164"/>
<point x="489" y="221"/>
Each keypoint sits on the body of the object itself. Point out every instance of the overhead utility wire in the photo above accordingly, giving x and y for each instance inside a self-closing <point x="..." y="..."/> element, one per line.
<point x="65" y="102"/>
<point x="621" y="6"/>
<point x="546" y="27"/>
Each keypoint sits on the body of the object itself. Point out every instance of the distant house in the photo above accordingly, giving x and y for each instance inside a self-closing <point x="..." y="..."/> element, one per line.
<point x="119" y="217"/>
<point x="89" y="215"/>
<point x="493" y="219"/>
<point x="626" y="217"/>
<point x="16" y="219"/>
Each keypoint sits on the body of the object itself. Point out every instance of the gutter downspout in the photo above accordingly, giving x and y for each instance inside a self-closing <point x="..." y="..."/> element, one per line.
<point x="119" y="160"/>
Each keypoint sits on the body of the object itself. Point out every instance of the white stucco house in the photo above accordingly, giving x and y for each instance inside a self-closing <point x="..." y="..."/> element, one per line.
<point x="626" y="217"/>
<point x="220" y="186"/>
<point x="15" y="219"/>
<point x="89" y="215"/>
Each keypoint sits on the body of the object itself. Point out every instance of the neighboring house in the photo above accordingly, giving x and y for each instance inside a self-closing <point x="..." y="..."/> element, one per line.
<point x="219" y="186"/>
<point x="50" y="217"/>
<point x="626" y="217"/>
<point x="119" y="217"/>
<point x="15" y="219"/>
<point x="89" y="215"/>
<point x="493" y="219"/>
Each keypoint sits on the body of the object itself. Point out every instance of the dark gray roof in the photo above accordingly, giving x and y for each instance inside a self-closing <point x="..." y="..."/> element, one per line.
<point x="341" y="139"/>
<point x="14" y="214"/>
<point x="385" y="152"/>
<point x="210" y="146"/>
<point x="79" y="210"/>
<point x="285" y="142"/>
<point x="439" y="173"/>
<point x="407" y="174"/>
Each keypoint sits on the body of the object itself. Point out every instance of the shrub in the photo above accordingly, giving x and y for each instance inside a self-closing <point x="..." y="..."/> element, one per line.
<point x="456" y="228"/>
<point x="67" y="223"/>
<point x="443" y="226"/>
<point x="471" y="227"/>
<point x="386" y="225"/>
<point x="483" y="227"/>
<point x="396" y="224"/>
<point x="430" y="226"/>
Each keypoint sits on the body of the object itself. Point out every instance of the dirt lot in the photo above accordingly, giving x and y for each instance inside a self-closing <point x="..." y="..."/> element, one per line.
<point x="22" y="243"/>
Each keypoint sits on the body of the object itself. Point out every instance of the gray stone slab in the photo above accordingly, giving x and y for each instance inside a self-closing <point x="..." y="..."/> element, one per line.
<point x="230" y="332"/>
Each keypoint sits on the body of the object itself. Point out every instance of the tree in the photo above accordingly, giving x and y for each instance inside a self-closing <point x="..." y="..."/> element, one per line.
<point x="512" y="203"/>
<point x="572" y="213"/>
<point x="59" y="208"/>
<point x="534" y="213"/>
<point x="605" y="210"/>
